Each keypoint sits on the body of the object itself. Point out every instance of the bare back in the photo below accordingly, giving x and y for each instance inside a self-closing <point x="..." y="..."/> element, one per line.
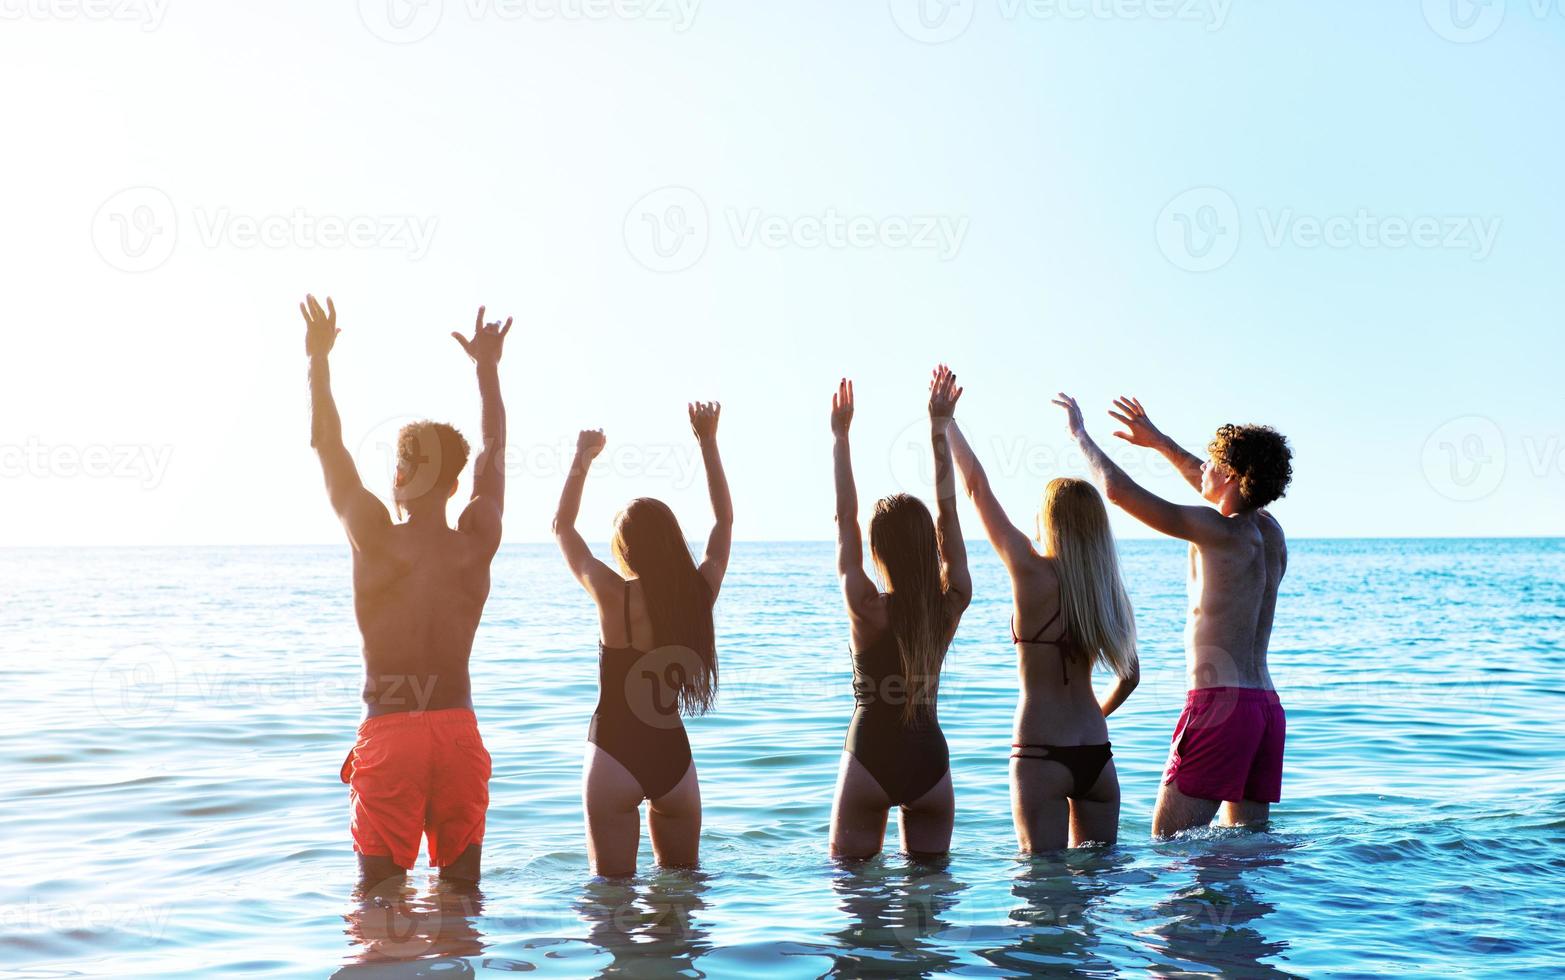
<point x="418" y="596"/>
<point x="1057" y="705"/>
<point x="1233" y="597"/>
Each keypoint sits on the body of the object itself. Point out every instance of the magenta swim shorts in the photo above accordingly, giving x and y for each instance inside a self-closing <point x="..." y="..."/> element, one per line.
<point x="1228" y="745"/>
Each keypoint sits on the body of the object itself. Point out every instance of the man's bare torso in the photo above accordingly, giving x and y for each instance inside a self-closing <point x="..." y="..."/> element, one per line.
<point x="1233" y="597"/>
<point x="418" y="597"/>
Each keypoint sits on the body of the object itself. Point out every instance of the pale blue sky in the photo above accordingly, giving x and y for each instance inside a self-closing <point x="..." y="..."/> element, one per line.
<point x="1021" y="200"/>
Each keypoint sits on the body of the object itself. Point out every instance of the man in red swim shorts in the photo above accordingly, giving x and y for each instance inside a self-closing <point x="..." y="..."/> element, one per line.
<point x="419" y="768"/>
<point x="1228" y="745"/>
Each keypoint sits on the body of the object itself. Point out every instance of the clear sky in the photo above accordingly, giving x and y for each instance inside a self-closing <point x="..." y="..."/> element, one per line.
<point x="1342" y="218"/>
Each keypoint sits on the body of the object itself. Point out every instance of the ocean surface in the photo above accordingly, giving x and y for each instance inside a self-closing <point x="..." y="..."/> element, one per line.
<point x="171" y="803"/>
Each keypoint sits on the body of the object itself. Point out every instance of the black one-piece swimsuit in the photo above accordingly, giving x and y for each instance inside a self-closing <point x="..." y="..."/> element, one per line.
<point x="637" y="720"/>
<point x="907" y="758"/>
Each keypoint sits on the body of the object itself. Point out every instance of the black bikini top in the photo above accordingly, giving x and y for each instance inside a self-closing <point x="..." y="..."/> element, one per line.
<point x="629" y="645"/>
<point x="1066" y="647"/>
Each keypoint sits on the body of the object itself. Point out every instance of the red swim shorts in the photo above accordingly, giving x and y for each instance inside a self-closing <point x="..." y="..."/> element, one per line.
<point x="417" y="773"/>
<point x="1228" y="745"/>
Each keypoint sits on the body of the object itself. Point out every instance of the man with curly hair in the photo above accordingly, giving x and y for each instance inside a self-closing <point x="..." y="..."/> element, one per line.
<point x="419" y="768"/>
<point x="1228" y="745"/>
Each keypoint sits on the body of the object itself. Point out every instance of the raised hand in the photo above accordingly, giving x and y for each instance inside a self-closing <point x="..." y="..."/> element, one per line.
<point x="590" y="443"/>
<point x="487" y="341"/>
<point x="1078" y="425"/>
<point x="1139" y="430"/>
<point x="320" y="326"/>
<point x="842" y="408"/>
<point x="703" y="419"/>
<point x="943" y="393"/>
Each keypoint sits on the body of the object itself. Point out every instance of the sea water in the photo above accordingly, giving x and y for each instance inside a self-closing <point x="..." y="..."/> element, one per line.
<point x="178" y="717"/>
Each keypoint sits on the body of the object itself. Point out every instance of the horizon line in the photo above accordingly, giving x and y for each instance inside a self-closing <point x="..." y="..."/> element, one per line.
<point x="765" y="541"/>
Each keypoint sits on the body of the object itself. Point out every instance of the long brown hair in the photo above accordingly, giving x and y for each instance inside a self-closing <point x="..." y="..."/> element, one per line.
<point x="650" y="546"/>
<point x="1098" y="616"/>
<point x="907" y="554"/>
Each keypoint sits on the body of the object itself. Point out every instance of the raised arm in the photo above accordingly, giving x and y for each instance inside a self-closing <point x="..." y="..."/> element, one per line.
<point x="857" y="589"/>
<point x="597" y="578"/>
<point x="703" y="420"/>
<point x="363" y="516"/>
<point x="484" y="512"/>
<point x="943" y="395"/>
<point x="1139" y="431"/>
<point x="1009" y="541"/>
<point x="1200" y="524"/>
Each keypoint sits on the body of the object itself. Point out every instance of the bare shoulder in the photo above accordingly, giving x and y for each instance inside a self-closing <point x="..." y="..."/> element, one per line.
<point x="1038" y="572"/>
<point x="1271" y="530"/>
<point x="1271" y="534"/>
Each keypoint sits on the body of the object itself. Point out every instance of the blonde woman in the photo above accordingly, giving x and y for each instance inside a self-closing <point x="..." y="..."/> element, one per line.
<point x="1071" y="614"/>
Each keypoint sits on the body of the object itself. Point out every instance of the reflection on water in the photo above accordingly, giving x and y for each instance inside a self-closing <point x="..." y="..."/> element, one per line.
<point x="651" y="926"/>
<point x="1213" y="923"/>
<point x="895" y="910"/>
<point x="1063" y="900"/>
<point x="393" y="931"/>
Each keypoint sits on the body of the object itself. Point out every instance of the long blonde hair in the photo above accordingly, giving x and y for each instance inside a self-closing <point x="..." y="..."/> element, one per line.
<point x="907" y="554"/>
<point x="1098" y="616"/>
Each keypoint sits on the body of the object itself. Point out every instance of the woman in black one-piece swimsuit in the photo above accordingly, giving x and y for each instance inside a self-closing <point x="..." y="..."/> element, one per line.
<point x="895" y="754"/>
<point x="657" y="661"/>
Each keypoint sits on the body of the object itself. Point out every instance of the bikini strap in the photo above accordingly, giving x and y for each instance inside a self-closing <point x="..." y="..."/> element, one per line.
<point x="628" y="641"/>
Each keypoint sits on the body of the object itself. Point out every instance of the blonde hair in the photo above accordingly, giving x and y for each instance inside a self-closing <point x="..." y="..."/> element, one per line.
<point x="907" y="553"/>
<point x="1098" y="616"/>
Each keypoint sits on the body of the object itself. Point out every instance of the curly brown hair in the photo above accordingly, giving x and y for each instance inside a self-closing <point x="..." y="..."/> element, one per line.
<point x="1261" y="458"/>
<point x="430" y="458"/>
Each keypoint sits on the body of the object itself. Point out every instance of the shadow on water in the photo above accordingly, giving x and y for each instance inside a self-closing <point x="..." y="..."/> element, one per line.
<point x="395" y="932"/>
<point x="1213" y="923"/>
<point x="651" y="926"/>
<point x="894" y="909"/>
<point x="1062" y="906"/>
